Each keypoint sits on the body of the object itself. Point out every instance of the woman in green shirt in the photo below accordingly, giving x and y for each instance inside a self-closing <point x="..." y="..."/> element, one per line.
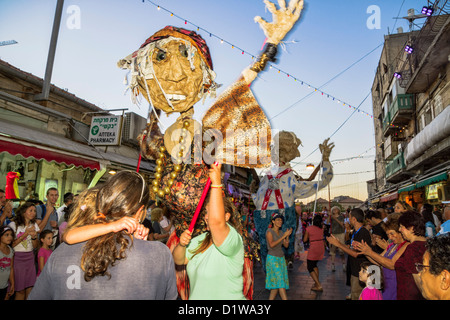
<point x="215" y="259"/>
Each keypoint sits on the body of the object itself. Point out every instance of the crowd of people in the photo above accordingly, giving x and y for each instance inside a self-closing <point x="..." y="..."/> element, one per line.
<point x="109" y="232"/>
<point x="387" y="250"/>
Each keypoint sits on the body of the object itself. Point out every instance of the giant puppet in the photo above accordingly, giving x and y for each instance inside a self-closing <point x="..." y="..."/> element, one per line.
<point x="280" y="186"/>
<point x="173" y="70"/>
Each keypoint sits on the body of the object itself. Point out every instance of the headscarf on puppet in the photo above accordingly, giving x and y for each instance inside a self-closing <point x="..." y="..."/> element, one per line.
<point x="280" y="186"/>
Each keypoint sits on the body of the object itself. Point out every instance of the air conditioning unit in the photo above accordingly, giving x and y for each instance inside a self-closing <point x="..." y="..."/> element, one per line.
<point x="133" y="124"/>
<point x="443" y="193"/>
<point x="80" y="132"/>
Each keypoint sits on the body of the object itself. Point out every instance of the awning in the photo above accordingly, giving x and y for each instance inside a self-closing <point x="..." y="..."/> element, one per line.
<point x="40" y="143"/>
<point x="408" y="188"/>
<point x="433" y="179"/>
<point x="425" y="182"/>
<point x="389" y="197"/>
<point x="48" y="155"/>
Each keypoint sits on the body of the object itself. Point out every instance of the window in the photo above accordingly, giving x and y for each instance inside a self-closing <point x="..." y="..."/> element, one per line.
<point x="425" y="116"/>
<point x="437" y="105"/>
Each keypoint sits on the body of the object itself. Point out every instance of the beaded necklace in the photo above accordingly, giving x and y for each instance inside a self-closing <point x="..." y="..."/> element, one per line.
<point x="161" y="192"/>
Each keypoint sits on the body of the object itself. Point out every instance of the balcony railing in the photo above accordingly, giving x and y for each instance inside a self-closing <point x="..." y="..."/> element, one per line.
<point x="399" y="112"/>
<point x="394" y="166"/>
<point x="403" y="103"/>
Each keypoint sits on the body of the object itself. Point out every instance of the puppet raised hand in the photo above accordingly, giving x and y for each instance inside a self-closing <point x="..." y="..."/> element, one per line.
<point x="283" y="19"/>
<point x="325" y="149"/>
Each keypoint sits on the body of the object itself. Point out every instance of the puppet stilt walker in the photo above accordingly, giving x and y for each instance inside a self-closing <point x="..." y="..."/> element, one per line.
<point x="173" y="70"/>
<point x="280" y="186"/>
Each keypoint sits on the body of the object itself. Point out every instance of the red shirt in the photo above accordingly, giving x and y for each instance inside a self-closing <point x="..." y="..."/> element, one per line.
<point x="405" y="268"/>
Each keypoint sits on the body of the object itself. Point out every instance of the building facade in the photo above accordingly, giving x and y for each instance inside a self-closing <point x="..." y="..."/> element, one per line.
<point x="46" y="141"/>
<point x="410" y="96"/>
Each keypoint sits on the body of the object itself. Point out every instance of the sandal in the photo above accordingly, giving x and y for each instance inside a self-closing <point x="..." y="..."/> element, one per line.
<point x="314" y="288"/>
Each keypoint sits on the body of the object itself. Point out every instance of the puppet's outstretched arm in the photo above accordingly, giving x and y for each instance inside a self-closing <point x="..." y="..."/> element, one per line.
<point x="325" y="149"/>
<point x="283" y="20"/>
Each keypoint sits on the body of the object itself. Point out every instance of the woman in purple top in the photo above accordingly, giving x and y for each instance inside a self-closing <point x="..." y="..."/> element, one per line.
<point x="388" y="257"/>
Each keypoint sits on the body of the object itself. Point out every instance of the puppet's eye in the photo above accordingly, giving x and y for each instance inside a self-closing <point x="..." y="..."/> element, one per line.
<point x="183" y="50"/>
<point x="160" y="55"/>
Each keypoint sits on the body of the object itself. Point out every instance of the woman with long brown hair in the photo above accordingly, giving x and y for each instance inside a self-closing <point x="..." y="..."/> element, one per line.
<point x="115" y="261"/>
<point x="215" y="259"/>
<point x="26" y="230"/>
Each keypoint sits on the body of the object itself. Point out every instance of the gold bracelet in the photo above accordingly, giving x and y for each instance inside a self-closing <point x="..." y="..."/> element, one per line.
<point x="216" y="186"/>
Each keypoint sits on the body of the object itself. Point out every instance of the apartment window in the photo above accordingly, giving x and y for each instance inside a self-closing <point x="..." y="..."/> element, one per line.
<point x="385" y="107"/>
<point x="437" y="105"/>
<point x="425" y="116"/>
<point x="394" y="89"/>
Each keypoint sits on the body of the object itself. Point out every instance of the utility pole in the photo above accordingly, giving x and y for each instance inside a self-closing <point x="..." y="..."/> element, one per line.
<point x="51" y="53"/>
<point x="329" y="198"/>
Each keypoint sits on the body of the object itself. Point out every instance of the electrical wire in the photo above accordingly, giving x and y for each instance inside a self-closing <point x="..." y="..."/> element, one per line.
<point x="326" y="83"/>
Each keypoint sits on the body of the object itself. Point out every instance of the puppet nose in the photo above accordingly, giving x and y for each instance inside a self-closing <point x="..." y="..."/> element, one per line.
<point x="175" y="71"/>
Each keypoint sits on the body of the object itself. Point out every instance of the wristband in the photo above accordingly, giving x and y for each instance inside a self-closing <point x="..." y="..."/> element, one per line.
<point x="216" y="186"/>
<point x="269" y="53"/>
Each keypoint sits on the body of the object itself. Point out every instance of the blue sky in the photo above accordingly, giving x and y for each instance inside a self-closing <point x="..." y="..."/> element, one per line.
<point x="330" y="37"/>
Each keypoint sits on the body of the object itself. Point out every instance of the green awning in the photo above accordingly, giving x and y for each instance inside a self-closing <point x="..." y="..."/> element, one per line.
<point x="408" y="188"/>
<point x="425" y="182"/>
<point x="433" y="179"/>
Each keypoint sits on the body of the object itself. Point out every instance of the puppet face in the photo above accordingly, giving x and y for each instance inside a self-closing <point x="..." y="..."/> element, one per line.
<point x="177" y="77"/>
<point x="285" y="147"/>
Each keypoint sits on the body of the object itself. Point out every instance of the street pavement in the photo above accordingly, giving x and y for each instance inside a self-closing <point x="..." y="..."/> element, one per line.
<point x="300" y="282"/>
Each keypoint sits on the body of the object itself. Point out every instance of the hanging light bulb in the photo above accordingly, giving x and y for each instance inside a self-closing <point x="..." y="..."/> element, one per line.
<point x="310" y="166"/>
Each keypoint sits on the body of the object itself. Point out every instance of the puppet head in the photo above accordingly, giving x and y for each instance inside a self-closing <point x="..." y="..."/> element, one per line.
<point x="172" y="69"/>
<point x="285" y="147"/>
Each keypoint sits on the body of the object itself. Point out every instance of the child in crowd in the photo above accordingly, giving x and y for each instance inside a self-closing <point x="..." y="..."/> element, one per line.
<point x="372" y="276"/>
<point x="45" y="239"/>
<point x="6" y="262"/>
<point x="26" y="229"/>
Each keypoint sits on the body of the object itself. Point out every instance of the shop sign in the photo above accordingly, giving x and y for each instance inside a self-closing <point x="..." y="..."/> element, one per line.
<point x="105" y="130"/>
<point x="431" y="191"/>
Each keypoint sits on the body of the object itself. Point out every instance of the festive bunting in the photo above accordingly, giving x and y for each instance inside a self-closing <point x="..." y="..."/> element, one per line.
<point x="288" y="75"/>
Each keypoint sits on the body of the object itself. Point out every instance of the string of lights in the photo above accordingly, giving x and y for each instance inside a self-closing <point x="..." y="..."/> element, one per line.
<point x="272" y="67"/>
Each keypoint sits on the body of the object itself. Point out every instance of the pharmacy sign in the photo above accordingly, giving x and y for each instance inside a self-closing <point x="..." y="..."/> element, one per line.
<point x="105" y="130"/>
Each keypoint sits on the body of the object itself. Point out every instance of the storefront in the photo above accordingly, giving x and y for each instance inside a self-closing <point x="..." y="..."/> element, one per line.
<point x="431" y="189"/>
<point x="46" y="160"/>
